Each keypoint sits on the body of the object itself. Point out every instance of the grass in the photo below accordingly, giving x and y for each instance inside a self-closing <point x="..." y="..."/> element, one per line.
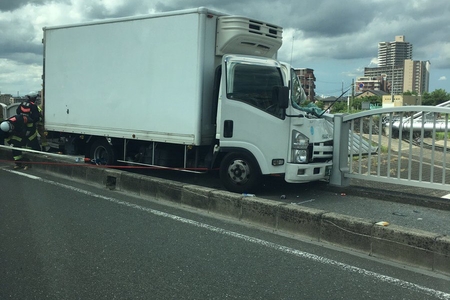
<point x="441" y="135"/>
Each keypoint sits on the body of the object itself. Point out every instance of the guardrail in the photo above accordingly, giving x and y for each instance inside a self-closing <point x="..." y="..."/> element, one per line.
<point x="408" y="152"/>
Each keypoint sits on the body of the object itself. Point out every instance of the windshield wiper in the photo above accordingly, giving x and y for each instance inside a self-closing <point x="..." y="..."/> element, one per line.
<point x="335" y="101"/>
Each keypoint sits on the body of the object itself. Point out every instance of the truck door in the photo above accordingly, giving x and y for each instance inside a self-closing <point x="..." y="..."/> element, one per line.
<point x="249" y="120"/>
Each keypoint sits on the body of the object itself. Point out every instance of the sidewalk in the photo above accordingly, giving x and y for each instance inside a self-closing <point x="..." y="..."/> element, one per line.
<point x="407" y="206"/>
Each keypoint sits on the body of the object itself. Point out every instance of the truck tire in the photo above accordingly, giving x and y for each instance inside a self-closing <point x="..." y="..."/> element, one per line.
<point x="102" y="153"/>
<point x="239" y="173"/>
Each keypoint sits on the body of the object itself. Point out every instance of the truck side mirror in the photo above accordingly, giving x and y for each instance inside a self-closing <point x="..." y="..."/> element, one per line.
<point x="280" y="96"/>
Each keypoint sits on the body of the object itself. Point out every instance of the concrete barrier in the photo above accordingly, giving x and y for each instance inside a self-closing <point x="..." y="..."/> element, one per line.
<point x="441" y="252"/>
<point x="406" y="245"/>
<point x="300" y="220"/>
<point x="414" y="247"/>
<point x="348" y="231"/>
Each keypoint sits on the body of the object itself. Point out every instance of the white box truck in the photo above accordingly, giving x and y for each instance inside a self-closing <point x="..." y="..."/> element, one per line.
<point x="194" y="90"/>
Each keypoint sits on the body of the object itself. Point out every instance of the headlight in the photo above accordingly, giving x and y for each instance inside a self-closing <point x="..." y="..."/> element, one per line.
<point x="300" y="156"/>
<point x="299" y="141"/>
<point x="299" y="147"/>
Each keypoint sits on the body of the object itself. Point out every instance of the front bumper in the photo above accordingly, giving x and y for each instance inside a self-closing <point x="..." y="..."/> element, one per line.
<point x="301" y="173"/>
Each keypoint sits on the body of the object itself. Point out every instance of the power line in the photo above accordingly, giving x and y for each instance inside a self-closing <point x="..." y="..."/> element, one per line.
<point x="334" y="90"/>
<point x="330" y="82"/>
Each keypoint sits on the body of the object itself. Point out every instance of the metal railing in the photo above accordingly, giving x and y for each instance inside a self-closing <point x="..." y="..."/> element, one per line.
<point x="407" y="147"/>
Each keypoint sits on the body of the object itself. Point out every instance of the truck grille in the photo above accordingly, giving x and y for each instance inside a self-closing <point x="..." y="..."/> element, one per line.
<point x="322" y="151"/>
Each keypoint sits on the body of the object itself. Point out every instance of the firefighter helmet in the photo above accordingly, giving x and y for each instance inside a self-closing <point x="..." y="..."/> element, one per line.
<point x="32" y="97"/>
<point x="6" y="126"/>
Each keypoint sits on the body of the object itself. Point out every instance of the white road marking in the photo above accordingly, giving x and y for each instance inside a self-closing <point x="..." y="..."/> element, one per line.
<point x="349" y="268"/>
<point x="24" y="174"/>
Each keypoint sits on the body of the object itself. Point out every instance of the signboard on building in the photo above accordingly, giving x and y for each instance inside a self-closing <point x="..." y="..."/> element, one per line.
<point x="365" y="105"/>
<point x="375" y="106"/>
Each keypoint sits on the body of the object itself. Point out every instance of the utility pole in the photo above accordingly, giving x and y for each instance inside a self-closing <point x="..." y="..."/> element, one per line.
<point x="392" y="88"/>
<point x="309" y="88"/>
<point x="391" y="53"/>
<point x="350" y="98"/>
<point x="353" y="90"/>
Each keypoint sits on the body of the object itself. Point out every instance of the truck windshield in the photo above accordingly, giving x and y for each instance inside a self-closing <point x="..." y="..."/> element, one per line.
<point x="297" y="92"/>
<point x="299" y="100"/>
<point x="253" y="84"/>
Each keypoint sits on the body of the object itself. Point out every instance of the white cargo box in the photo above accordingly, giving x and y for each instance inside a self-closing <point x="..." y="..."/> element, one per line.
<point x="146" y="78"/>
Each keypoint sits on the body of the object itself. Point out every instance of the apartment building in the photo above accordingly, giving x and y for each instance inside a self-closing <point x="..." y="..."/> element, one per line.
<point x="386" y="73"/>
<point x="371" y="83"/>
<point x="416" y="76"/>
<point x="394" y="53"/>
<point x="396" y="66"/>
<point x="307" y="79"/>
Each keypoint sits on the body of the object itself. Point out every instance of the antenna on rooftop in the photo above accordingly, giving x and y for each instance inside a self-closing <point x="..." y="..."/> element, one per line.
<point x="292" y="47"/>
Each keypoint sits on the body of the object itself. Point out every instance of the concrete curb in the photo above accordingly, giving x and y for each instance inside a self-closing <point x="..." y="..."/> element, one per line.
<point x="419" y="248"/>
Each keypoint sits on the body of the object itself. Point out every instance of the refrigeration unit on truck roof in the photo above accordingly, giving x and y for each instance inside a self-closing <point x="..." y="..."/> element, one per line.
<point x="240" y="35"/>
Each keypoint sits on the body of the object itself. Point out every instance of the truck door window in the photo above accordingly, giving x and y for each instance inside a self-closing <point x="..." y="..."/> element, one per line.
<point x="253" y="84"/>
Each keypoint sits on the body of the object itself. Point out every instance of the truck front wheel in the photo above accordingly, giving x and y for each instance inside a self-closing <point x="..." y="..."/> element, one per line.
<point x="102" y="153"/>
<point x="239" y="172"/>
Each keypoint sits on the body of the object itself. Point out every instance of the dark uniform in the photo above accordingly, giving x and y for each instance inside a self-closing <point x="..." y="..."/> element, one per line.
<point x="37" y="111"/>
<point x="20" y="132"/>
<point x="30" y="109"/>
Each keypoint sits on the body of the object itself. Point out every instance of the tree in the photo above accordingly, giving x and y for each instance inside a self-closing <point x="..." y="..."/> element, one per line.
<point x="339" y="107"/>
<point x="357" y="102"/>
<point x="436" y="97"/>
<point x="320" y="104"/>
<point x="440" y="96"/>
<point x="426" y="99"/>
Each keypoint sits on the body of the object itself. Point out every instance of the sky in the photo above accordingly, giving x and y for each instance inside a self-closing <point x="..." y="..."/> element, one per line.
<point x="337" y="39"/>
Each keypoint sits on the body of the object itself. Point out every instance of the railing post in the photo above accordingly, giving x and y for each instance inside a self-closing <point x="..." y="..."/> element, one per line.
<point x="340" y="152"/>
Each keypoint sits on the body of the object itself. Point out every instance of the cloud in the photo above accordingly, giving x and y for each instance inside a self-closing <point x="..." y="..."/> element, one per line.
<point x="373" y="62"/>
<point x="10" y="5"/>
<point x="442" y="78"/>
<point x="14" y="75"/>
<point x="335" y="38"/>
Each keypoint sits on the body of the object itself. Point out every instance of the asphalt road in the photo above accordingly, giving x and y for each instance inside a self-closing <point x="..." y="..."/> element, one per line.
<point x="61" y="239"/>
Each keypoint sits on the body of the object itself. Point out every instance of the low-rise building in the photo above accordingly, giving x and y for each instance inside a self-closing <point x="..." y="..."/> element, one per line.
<point x="401" y="100"/>
<point x="371" y="83"/>
<point x="370" y="93"/>
<point x="6" y="99"/>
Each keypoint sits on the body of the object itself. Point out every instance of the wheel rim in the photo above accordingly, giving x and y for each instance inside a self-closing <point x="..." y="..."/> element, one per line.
<point x="101" y="156"/>
<point x="239" y="171"/>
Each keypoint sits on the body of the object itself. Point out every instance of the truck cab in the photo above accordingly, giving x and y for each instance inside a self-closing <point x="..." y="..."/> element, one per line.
<point x="264" y="128"/>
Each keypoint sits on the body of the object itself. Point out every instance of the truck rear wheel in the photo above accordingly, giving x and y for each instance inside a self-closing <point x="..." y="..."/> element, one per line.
<point x="102" y="153"/>
<point x="239" y="172"/>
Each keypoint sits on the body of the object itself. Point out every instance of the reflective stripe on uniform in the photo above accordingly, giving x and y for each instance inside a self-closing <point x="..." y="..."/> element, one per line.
<point x="18" y="157"/>
<point x="14" y="138"/>
<point x="33" y="136"/>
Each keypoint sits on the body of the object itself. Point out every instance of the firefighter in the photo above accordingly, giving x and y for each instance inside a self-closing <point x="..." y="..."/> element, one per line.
<point x="29" y="109"/>
<point x="20" y="132"/>
<point x="36" y="114"/>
